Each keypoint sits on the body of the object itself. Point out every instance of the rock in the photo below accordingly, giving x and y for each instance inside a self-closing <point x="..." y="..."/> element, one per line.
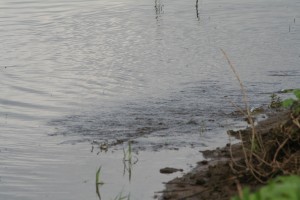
<point x="169" y="170"/>
<point x="203" y="162"/>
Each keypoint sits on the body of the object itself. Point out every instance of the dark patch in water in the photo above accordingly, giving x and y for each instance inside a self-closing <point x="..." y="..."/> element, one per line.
<point x="191" y="116"/>
<point x="284" y="73"/>
<point x="184" y="115"/>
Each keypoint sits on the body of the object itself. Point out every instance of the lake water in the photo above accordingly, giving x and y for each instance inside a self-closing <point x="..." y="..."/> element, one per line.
<point x="76" y="74"/>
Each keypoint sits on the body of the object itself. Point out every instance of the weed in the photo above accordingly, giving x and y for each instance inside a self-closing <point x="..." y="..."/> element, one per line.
<point x="264" y="160"/>
<point x="269" y="155"/>
<point x="128" y="161"/>
<point x="294" y="104"/>
<point x="275" y="101"/>
<point x="281" y="188"/>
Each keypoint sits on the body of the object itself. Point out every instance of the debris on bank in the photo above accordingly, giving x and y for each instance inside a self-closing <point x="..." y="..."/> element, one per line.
<point x="275" y="151"/>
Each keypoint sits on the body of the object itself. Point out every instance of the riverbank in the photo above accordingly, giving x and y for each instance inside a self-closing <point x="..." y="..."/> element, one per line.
<point x="232" y="167"/>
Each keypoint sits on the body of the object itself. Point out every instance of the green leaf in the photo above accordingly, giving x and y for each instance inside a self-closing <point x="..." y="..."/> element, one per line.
<point x="297" y="93"/>
<point x="287" y="103"/>
<point x="98" y="175"/>
<point x="98" y="181"/>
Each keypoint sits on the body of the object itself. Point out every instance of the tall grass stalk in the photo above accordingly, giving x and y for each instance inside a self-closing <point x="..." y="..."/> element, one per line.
<point x="254" y="138"/>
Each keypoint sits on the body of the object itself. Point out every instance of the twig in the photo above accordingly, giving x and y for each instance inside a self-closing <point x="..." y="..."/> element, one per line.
<point x="279" y="148"/>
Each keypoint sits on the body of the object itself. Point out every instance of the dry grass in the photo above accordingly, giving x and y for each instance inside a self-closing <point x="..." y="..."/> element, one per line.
<point x="271" y="154"/>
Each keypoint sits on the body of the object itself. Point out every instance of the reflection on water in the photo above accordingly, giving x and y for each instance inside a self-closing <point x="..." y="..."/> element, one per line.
<point x="159" y="8"/>
<point x="110" y="71"/>
<point x="197" y="9"/>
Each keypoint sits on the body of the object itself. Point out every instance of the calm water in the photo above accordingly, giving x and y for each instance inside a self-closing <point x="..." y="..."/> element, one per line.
<point x="76" y="73"/>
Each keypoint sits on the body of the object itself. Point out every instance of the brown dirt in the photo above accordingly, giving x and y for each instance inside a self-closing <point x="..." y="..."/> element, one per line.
<point x="228" y="169"/>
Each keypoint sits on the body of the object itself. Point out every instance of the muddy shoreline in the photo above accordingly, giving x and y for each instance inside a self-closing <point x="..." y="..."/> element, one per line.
<point x="216" y="177"/>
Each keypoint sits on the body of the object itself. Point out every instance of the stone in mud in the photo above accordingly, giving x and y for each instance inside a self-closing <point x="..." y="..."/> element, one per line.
<point x="169" y="170"/>
<point x="203" y="162"/>
<point x="201" y="181"/>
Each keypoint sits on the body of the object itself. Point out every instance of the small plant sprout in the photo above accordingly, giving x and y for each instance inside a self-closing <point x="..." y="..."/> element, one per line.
<point x="127" y="160"/>
<point x="98" y="182"/>
<point x="128" y="153"/>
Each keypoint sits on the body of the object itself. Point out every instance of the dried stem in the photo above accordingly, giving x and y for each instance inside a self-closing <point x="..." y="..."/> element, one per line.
<point x="280" y="147"/>
<point x="245" y="100"/>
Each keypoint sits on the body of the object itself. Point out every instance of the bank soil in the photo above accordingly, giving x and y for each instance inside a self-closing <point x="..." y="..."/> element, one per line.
<point x="228" y="169"/>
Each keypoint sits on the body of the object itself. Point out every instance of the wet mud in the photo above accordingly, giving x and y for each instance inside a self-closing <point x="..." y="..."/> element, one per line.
<point x="226" y="169"/>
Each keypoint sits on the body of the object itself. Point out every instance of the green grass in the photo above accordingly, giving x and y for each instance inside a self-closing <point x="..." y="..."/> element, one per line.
<point x="281" y="188"/>
<point x="293" y="103"/>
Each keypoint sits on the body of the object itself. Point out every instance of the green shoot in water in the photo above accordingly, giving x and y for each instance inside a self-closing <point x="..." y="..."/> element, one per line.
<point x="98" y="183"/>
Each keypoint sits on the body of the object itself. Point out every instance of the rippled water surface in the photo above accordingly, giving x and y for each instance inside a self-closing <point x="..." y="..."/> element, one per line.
<point x="76" y="74"/>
